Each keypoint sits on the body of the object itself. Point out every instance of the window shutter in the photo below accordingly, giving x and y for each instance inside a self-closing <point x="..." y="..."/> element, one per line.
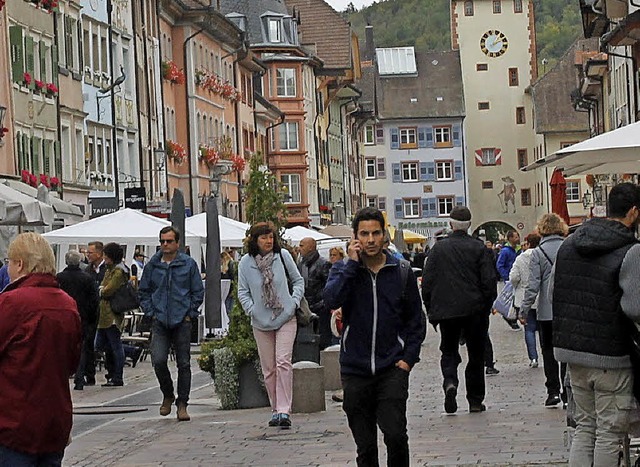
<point x="43" y="62"/>
<point x="26" y="151"/>
<point x="35" y="155"/>
<point x="382" y="203"/>
<point x="46" y="158"/>
<point x="17" y="53"/>
<point x="433" y="207"/>
<point x="395" y="169"/>
<point x="399" y="211"/>
<point x="422" y="137"/>
<point x="395" y="139"/>
<point x="457" y="140"/>
<point x="58" y="158"/>
<point x="423" y="171"/>
<point x="429" y="137"/>
<point x="379" y="134"/>
<point x="80" y="45"/>
<point x="459" y="200"/>
<point x="54" y="64"/>
<point x="19" y="149"/>
<point x="30" y="59"/>
<point x="425" y="207"/>
<point x="381" y="168"/>
<point x="458" y="170"/>
<point x="431" y="171"/>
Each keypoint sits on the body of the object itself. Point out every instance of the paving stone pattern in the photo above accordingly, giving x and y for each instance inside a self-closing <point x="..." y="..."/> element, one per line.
<point x="516" y="429"/>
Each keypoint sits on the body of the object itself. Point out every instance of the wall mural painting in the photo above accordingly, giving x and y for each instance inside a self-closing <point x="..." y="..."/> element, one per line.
<point x="508" y="194"/>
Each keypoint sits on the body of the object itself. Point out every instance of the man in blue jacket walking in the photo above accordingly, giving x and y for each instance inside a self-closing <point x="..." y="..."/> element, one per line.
<point x="384" y="327"/>
<point x="171" y="292"/>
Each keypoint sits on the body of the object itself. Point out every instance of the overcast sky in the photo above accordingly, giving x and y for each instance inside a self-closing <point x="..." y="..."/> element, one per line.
<point x="340" y="5"/>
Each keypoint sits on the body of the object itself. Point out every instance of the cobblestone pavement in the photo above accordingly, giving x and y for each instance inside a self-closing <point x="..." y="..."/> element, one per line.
<point x="516" y="429"/>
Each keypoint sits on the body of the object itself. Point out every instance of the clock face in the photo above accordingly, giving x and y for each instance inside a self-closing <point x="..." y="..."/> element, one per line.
<point x="93" y="4"/>
<point x="493" y="43"/>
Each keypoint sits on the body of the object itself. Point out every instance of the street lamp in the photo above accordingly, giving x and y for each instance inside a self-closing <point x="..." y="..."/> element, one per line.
<point x="586" y="199"/>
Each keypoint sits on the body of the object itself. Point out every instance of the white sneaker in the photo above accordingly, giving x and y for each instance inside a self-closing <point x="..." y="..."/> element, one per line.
<point x="533" y="363"/>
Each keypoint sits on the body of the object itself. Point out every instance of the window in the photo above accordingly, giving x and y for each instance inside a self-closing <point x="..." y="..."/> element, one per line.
<point x="497" y="6"/>
<point x="369" y="134"/>
<point x="444" y="170"/>
<point x="372" y="201"/>
<point x="370" y="168"/>
<point x="379" y="134"/>
<point x="483" y="106"/>
<point x="517" y="6"/>
<point x="487" y="185"/>
<point x="291" y="183"/>
<point x="573" y="191"/>
<point x="442" y="136"/>
<point x="520" y="116"/>
<point x="409" y="171"/>
<point x="274" y="31"/>
<point x="408" y="138"/>
<point x="411" y="207"/>
<point x="566" y="144"/>
<point x="525" y="197"/>
<point x="286" y="82"/>
<point x="482" y="67"/>
<point x="381" y="168"/>
<point x="523" y="159"/>
<point x="382" y="203"/>
<point x="445" y="205"/>
<point x="468" y="8"/>
<point x="289" y="136"/>
<point x="488" y="156"/>
<point x="513" y="77"/>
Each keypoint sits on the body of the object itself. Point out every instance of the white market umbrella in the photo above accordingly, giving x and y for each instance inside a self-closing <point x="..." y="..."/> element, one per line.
<point x="232" y="232"/>
<point x="23" y="210"/>
<point x="297" y="233"/>
<point x="616" y="151"/>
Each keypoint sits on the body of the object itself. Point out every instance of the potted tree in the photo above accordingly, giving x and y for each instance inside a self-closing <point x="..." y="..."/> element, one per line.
<point x="233" y="360"/>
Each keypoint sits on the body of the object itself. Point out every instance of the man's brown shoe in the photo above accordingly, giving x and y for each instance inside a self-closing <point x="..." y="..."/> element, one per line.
<point x="183" y="416"/>
<point x="165" y="408"/>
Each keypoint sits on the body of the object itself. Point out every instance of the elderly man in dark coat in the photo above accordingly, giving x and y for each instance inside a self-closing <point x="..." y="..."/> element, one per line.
<point x="82" y="288"/>
<point x="315" y="271"/>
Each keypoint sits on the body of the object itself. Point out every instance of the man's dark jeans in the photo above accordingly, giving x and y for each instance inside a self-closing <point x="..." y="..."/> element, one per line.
<point x="553" y="372"/>
<point x="381" y="400"/>
<point x="89" y="352"/>
<point x="11" y="458"/>
<point x="475" y="329"/>
<point x="162" y="338"/>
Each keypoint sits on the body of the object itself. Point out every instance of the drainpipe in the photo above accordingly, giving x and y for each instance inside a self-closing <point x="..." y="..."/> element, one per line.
<point x="114" y="130"/>
<point x="187" y="100"/>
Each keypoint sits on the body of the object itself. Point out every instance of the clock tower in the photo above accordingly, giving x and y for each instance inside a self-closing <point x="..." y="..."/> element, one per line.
<point x="496" y="40"/>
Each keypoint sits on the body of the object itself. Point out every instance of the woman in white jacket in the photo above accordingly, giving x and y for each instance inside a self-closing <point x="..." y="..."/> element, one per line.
<point x="519" y="277"/>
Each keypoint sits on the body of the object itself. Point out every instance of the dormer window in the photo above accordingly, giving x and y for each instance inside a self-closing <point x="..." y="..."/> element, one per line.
<point x="239" y="20"/>
<point x="275" y="30"/>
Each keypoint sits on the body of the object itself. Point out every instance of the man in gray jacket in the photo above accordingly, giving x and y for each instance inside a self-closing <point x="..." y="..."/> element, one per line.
<point x="595" y="295"/>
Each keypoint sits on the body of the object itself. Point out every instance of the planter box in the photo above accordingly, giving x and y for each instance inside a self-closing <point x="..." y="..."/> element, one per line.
<point x="251" y="393"/>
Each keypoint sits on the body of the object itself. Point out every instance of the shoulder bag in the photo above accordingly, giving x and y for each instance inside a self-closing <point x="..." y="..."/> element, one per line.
<point x="304" y="315"/>
<point x="124" y="299"/>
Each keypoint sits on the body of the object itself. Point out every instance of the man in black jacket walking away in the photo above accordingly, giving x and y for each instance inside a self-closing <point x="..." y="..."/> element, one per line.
<point x="595" y="295"/>
<point x="459" y="286"/>
<point x="384" y="329"/>
<point x="315" y="271"/>
<point x="83" y="289"/>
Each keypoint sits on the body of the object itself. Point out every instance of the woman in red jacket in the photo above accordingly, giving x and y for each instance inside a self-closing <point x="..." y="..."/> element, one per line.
<point x="40" y="340"/>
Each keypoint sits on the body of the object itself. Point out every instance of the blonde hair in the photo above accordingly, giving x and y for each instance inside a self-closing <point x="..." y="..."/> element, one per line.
<point x="35" y="252"/>
<point x="552" y="224"/>
<point x="339" y="250"/>
<point x="225" y="259"/>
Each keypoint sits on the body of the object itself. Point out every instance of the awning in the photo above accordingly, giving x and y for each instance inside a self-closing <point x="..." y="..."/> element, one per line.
<point x="616" y="151"/>
<point x="24" y="210"/>
<point x="62" y="209"/>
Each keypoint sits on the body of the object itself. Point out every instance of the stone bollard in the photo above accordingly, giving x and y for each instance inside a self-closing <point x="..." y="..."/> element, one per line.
<point x="308" y="388"/>
<point x="330" y="360"/>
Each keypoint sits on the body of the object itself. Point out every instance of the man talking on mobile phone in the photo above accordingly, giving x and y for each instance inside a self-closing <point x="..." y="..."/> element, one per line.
<point x="384" y="327"/>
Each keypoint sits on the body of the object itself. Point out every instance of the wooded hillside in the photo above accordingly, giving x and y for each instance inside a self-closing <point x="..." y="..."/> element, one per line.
<point x="425" y="24"/>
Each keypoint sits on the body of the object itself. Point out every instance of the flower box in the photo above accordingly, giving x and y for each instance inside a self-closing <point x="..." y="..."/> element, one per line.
<point x="176" y="152"/>
<point x="172" y="73"/>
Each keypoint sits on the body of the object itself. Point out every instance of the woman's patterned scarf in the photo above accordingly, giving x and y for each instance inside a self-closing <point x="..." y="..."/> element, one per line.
<point x="269" y="295"/>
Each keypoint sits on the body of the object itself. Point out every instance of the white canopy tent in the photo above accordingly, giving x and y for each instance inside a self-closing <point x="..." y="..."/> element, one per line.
<point x="125" y="227"/>
<point x="616" y="151"/>
<point x="63" y="210"/>
<point x="297" y="233"/>
<point x="232" y="232"/>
